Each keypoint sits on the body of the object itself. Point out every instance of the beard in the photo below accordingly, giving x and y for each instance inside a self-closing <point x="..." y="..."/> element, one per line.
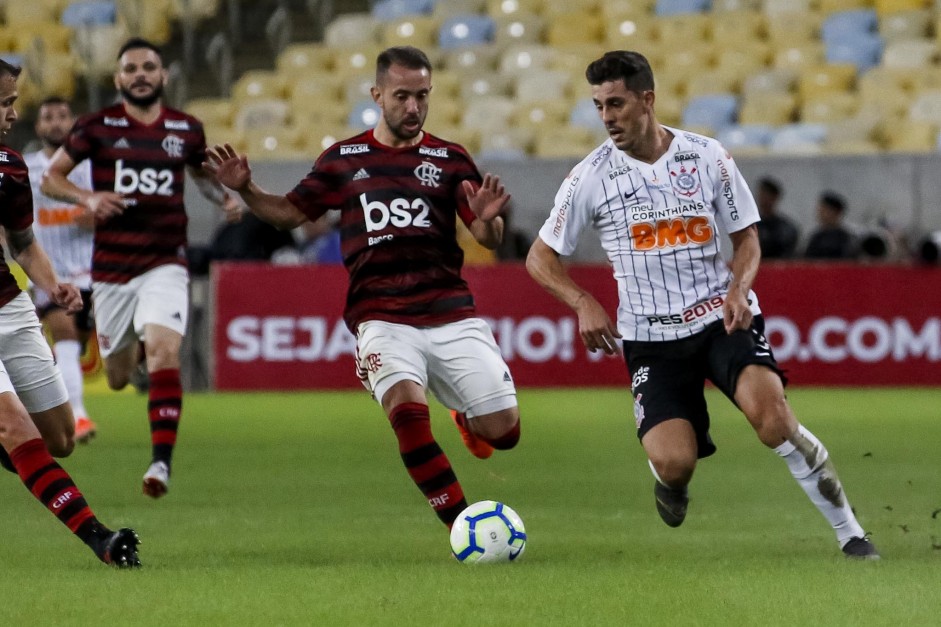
<point x="402" y="133"/>
<point x="143" y="101"/>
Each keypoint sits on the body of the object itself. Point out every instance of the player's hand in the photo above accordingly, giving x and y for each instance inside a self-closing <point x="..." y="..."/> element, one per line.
<point x="85" y="220"/>
<point x="736" y="313"/>
<point x="104" y="205"/>
<point x="488" y="200"/>
<point x="596" y="328"/>
<point x="229" y="168"/>
<point x="68" y="297"/>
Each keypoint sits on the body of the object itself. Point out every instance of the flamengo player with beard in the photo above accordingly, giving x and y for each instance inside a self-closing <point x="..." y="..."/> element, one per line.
<point x="657" y="196"/>
<point x="399" y="190"/>
<point x="139" y="150"/>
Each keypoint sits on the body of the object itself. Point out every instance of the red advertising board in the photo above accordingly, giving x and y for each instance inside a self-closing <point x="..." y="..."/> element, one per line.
<point x="280" y="328"/>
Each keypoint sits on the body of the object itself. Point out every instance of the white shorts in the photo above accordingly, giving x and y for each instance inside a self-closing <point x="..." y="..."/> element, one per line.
<point x="122" y="310"/>
<point x="459" y="362"/>
<point x="26" y="360"/>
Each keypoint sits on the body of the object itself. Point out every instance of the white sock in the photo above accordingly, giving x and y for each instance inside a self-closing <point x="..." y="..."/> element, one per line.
<point x="68" y="356"/>
<point x="810" y="465"/>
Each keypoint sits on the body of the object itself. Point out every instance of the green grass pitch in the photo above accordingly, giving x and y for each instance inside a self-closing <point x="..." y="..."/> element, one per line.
<point x="294" y="509"/>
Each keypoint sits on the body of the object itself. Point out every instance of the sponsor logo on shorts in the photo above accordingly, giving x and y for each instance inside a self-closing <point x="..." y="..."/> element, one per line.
<point x="641" y="376"/>
<point x="638" y="410"/>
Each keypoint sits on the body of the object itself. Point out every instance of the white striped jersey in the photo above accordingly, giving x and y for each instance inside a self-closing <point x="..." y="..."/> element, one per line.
<point x="658" y="225"/>
<point x="69" y="246"/>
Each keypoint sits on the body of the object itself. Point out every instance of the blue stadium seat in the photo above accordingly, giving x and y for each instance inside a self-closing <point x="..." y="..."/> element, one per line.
<point x="89" y="13"/>
<point x="585" y="114"/>
<point x="391" y="10"/>
<point x="862" y="50"/>
<point x="716" y="111"/>
<point x="466" y="30"/>
<point x="746" y="136"/>
<point x="363" y="115"/>
<point x="847" y="24"/>
<point x="678" y="7"/>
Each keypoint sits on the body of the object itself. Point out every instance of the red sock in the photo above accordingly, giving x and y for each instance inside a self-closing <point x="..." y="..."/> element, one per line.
<point x="163" y="408"/>
<point x="506" y="441"/>
<point x="426" y="462"/>
<point x="53" y="486"/>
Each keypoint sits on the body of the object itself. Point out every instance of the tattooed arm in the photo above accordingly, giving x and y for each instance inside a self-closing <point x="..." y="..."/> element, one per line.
<point x="29" y="254"/>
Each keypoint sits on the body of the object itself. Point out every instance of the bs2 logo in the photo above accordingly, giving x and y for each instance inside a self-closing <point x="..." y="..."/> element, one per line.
<point x="399" y="213"/>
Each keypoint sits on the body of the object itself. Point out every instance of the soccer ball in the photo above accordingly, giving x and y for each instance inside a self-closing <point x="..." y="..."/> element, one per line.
<point x="487" y="531"/>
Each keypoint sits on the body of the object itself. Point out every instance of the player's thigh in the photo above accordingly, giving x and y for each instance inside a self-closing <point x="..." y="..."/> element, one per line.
<point x="730" y="354"/>
<point x="467" y="371"/>
<point x="667" y="382"/>
<point x="162" y="299"/>
<point x="387" y="353"/>
<point x="114" y="307"/>
<point x="60" y="324"/>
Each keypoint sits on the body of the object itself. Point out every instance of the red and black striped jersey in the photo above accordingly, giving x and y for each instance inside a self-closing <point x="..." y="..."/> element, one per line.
<point x="16" y="211"/>
<point x="145" y="163"/>
<point x="398" y="209"/>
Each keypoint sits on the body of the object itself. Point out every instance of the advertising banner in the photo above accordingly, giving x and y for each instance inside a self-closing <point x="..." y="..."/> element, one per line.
<point x="281" y="328"/>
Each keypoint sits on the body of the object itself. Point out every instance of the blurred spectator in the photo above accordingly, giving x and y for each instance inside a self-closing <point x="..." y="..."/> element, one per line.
<point x="777" y="234"/>
<point x="516" y="243"/>
<point x="321" y="242"/>
<point x="243" y="237"/>
<point x="832" y="239"/>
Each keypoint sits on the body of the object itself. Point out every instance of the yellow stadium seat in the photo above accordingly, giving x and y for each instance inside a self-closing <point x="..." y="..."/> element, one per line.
<point x="541" y="85"/>
<point x="560" y="32"/>
<point x="926" y="107"/>
<point x="418" y="31"/>
<point x="564" y="142"/>
<point x="794" y="27"/>
<point x="910" y="136"/>
<point x="894" y="6"/>
<point x="556" y="7"/>
<point x="255" y="84"/>
<point x="799" y="55"/>
<point x="776" y="80"/>
<point x="496" y="8"/>
<point x="832" y="6"/>
<point x="629" y="31"/>
<point x="261" y="113"/>
<point x="316" y="137"/>
<point x="731" y="6"/>
<point x="211" y="111"/>
<point x="882" y="79"/>
<point x="851" y="147"/>
<point x="473" y="58"/>
<point x="887" y="104"/>
<point x="487" y="113"/>
<point x="220" y="134"/>
<point x="95" y="49"/>
<point x="318" y="110"/>
<point x="444" y="112"/>
<point x="926" y="78"/>
<point x="767" y="108"/>
<point x="357" y="86"/>
<point x="910" y="53"/>
<point x="524" y="58"/>
<point x="52" y="73"/>
<point x="714" y="81"/>
<point x="829" y="107"/>
<point x="684" y="29"/>
<point x="519" y="28"/>
<point x="445" y="84"/>
<point x="572" y="60"/>
<point x="825" y="78"/>
<point x="747" y="26"/>
<point x="444" y="10"/>
<point x="274" y="143"/>
<point x="314" y="85"/>
<point x="537" y="114"/>
<point x="743" y="61"/>
<point x="193" y="9"/>
<point x="512" y="141"/>
<point x="484" y="84"/>
<point x="905" y="25"/>
<point x="147" y="19"/>
<point x="612" y="8"/>
<point x="858" y="128"/>
<point x="772" y="7"/>
<point x="352" y="29"/>
<point x="18" y="13"/>
<point x="296" y="60"/>
<point x="356" y="59"/>
<point x="669" y="108"/>
<point x="688" y="59"/>
<point x="52" y="37"/>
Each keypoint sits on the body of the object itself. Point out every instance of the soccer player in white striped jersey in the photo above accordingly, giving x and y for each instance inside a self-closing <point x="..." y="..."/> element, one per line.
<point x="65" y="231"/>
<point x="657" y="197"/>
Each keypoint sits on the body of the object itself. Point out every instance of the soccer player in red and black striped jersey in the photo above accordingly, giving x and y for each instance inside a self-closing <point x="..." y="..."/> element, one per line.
<point x="400" y="190"/>
<point x="139" y="150"/>
<point x="35" y="416"/>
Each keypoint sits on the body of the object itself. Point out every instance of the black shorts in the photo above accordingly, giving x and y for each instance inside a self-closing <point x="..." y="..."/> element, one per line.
<point x="84" y="319"/>
<point x="668" y="378"/>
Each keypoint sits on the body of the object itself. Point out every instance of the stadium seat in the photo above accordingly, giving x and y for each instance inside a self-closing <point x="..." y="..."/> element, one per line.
<point x="776" y="80"/>
<point x="355" y="59"/>
<point x="542" y="85"/>
<point x="794" y="27"/>
<point x="910" y="136"/>
<point x="714" y="110"/>
<point x="466" y="30"/>
<point x="825" y="78"/>
<point x="738" y="26"/>
<point x="317" y="138"/>
<point x="850" y="147"/>
<point x="632" y="31"/>
<point x="910" y="53"/>
<point x="357" y="86"/>
<point x="506" y="145"/>
<point x="848" y="24"/>
<point x="53" y="74"/>
<point x="565" y="142"/>
<point x="89" y="13"/>
<point x="391" y="10"/>
<point x="914" y="24"/>
<point x="317" y="109"/>
<point x="584" y="113"/>
<point x="523" y="58"/>
<point x="714" y="81"/>
<point x="471" y="58"/>
<point x="258" y="84"/>
<point x="863" y="50"/>
<point x="775" y="7"/>
<point x="740" y="61"/>
<point x="858" y="128"/>
<point x="559" y="31"/>
<point x="147" y="19"/>
<point x="261" y="113"/>
<point x="95" y="48"/>
<point x="552" y="8"/>
<point x="51" y="37"/>
<point x="509" y="7"/>
<point x="352" y="29"/>
<point x="518" y="28"/>
<point x="418" y="31"/>
<point x="800" y="55"/>
<point x="536" y="114"/>
<point x="829" y="107"/>
<point x="690" y="29"/>
<point x="926" y="107"/>
<point x="449" y="8"/>
<point x="197" y="10"/>
<point x="273" y="143"/>
<point x="444" y="111"/>
<point x="445" y="84"/>
<point x="745" y="136"/>
<point x="299" y="59"/>
<point x="488" y="113"/>
<point x="729" y="6"/>
<point x="801" y="139"/>
<point x="884" y="7"/>
<point x="885" y="104"/>
<point x="928" y="77"/>
<point x="832" y="6"/>
<point x="19" y="13"/>
<point x="771" y="108"/>
<point x="485" y="83"/>
<point x="881" y="79"/>
<point x="364" y="114"/>
<point x="211" y="111"/>
<point x="680" y="7"/>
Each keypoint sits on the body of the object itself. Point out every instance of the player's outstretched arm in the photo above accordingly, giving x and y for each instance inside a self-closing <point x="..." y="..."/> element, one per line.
<point x="594" y="324"/>
<point x="232" y="170"/>
<point x="34" y="261"/>
<point x="55" y="184"/>
<point x="487" y="202"/>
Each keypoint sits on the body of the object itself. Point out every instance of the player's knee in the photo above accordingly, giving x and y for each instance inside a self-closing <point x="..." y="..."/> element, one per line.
<point x="674" y="468"/>
<point x="117" y="380"/>
<point x="773" y="422"/>
<point x="60" y="445"/>
<point x="508" y="439"/>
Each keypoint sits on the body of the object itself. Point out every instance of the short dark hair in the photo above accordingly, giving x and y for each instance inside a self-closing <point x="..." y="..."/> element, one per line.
<point x="54" y="100"/>
<point x="770" y="185"/>
<point x="8" y="68"/>
<point x="628" y="66"/>
<point x="139" y="42"/>
<point x="406" y="56"/>
<point x="833" y="201"/>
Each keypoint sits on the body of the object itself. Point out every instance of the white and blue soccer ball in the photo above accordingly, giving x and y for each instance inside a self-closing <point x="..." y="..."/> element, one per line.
<point x="488" y="531"/>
